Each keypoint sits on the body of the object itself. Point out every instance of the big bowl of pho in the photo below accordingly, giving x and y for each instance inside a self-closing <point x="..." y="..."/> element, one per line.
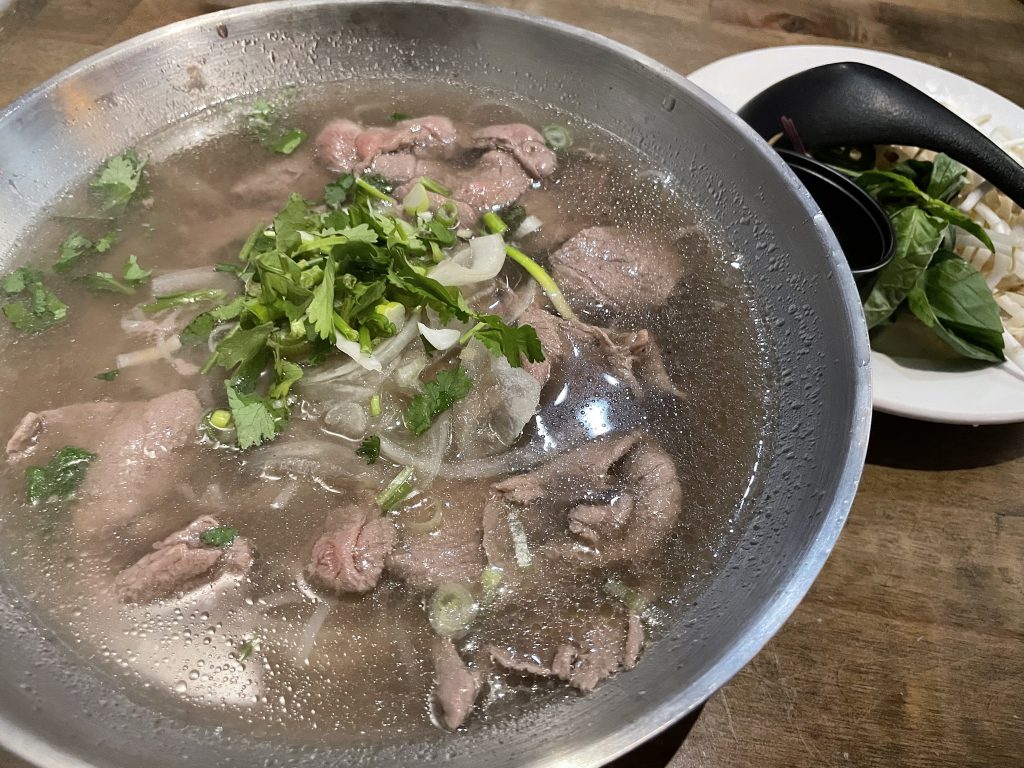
<point x="389" y="382"/>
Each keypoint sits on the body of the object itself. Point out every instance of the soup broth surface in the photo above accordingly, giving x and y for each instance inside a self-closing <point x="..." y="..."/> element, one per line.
<point x="368" y="673"/>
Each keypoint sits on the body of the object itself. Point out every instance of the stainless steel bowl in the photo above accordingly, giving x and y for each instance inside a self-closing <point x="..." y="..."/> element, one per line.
<point x="57" y="711"/>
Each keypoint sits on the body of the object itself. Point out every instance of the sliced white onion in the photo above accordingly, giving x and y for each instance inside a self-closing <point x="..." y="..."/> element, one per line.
<point x="482" y="260"/>
<point x="161" y="351"/>
<point x="530" y="225"/>
<point x="353" y="350"/>
<point x="387" y="352"/>
<point x="440" y="338"/>
<point x="194" y="279"/>
<point x="1014" y="351"/>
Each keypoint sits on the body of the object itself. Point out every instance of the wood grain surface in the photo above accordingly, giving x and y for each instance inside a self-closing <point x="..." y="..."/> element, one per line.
<point x="909" y="649"/>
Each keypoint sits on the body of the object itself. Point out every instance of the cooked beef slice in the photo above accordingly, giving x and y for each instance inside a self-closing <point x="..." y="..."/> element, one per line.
<point x="606" y="267"/>
<point x="638" y="500"/>
<point x="350" y="556"/>
<point x="596" y="651"/>
<point x="622" y="353"/>
<point x="453" y="552"/>
<point x="136" y="445"/>
<point x="181" y="561"/>
<point x="271" y="184"/>
<point x="344" y="146"/>
<point x="524" y="143"/>
<point x="494" y="180"/>
<point x="457" y="685"/>
<point x="579" y="471"/>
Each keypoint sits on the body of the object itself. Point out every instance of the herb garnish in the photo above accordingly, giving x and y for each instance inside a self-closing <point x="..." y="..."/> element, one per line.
<point x="944" y="292"/>
<point x="77" y="246"/>
<point x="108" y="375"/>
<point x="369" y="449"/>
<point x="247" y="648"/>
<point x="133" y="275"/>
<point x="438" y="396"/>
<point x="262" y="122"/>
<point x="342" y="275"/>
<point x="220" y="536"/>
<point x="34" y="308"/>
<point x="119" y="179"/>
<point x="60" y="478"/>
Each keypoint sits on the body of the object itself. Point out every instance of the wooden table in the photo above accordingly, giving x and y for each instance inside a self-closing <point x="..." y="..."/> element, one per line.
<point x="909" y="649"/>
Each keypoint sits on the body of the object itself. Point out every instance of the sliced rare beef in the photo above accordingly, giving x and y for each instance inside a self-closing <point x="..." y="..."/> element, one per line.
<point x="457" y="686"/>
<point x="494" y="180"/>
<point x="607" y="268"/>
<point x="524" y="143"/>
<point x="137" y="446"/>
<point x="453" y="551"/>
<point x="595" y="653"/>
<point x="344" y="146"/>
<point x="180" y="562"/>
<point x="271" y="184"/>
<point x="350" y="556"/>
<point x="614" y="500"/>
<point x="625" y="354"/>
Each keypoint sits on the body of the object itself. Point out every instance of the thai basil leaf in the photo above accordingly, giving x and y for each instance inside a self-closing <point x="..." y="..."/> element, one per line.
<point x="946" y="179"/>
<point x="952" y="299"/>
<point x="918" y="236"/>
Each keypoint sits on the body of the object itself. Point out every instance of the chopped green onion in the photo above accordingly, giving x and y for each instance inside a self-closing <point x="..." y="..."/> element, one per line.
<point x="372" y="191"/>
<point x="397" y="490"/>
<point x="424" y="526"/>
<point x="546" y="282"/>
<point x="108" y="375"/>
<point x="452" y="610"/>
<point x="557" y="137"/>
<point x="396" y="117"/>
<point x="494" y="223"/>
<point x="522" y="548"/>
<point x="490" y="582"/>
<point x="218" y="425"/>
<point x="625" y="595"/>
<point x="248" y="648"/>
<point x="221" y="419"/>
<point x="375" y="405"/>
<point x="288" y="142"/>
<point x="221" y="536"/>
<point x="437" y="187"/>
<point x="447" y="214"/>
<point x="416" y="200"/>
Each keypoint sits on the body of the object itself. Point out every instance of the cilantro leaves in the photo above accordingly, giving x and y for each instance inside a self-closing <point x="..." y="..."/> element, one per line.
<point x="219" y="536"/>
<point x="119" y="179"/>
<point x="437" y="397"/>
<point x="263" y="123"/>
<point x="256" y="419"/>
<point x="369" y="449"/>
<point x="34" y="307"/>
<point x="133" y="275"/>
<point x="60" y="477"/>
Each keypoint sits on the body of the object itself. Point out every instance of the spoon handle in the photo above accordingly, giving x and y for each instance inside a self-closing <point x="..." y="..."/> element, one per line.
<point x="851" y="103"/>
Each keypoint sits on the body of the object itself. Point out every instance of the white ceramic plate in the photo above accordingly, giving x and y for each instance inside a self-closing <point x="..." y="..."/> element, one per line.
<point x="910" y="379"/>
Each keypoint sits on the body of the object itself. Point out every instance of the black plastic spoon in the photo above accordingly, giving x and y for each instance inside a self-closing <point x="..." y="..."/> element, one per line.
<point x="847" y="104"/>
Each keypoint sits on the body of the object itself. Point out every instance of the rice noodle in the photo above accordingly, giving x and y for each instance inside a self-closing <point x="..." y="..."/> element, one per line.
<point x="308" y="638"/>
<point x="194" y="279"/>
<point x="161" y="351"/>
<point x="426" y="456"/>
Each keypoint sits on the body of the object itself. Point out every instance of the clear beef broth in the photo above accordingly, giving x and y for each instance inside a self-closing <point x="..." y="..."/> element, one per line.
<point x="370" y="672"/>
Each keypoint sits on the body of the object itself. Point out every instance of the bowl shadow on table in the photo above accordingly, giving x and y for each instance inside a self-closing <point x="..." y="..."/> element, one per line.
<point x="910" y="444"/>
<point x="658" y="751"/>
